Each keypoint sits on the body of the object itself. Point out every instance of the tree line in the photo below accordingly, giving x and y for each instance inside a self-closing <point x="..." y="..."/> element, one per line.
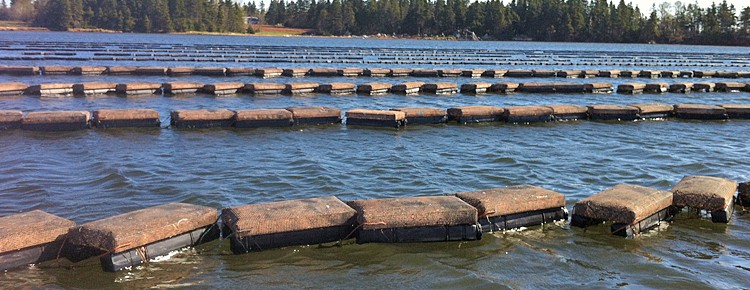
<point x="131" y="15"/>
<point x="542" y="20"/>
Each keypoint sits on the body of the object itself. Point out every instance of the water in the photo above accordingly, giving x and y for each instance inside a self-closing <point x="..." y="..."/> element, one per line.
<point x="89" y="175"/>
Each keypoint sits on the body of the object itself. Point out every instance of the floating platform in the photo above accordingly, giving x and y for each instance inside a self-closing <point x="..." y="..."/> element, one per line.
<point x="12" y="88"/>
<point x="589" y="73"/>
<point x="295" y="72"/>
<point x="56" y="121"/>
<point x="89" y="70"/>
<point x="613" y="112"/>
<point x="400" y="72"/>
<point x="136" y="237"/>
<point x="373" y="89"/>
<point x="56" y="70"/>
<point x="631" y="88"/>
<point x="472" y="73"/>
<point x="565" y="112"/>
<point x="704" y="74"/>
<point x="505" y="87"/>
<point x="300" y="88"/>
<point x="416" y="219"/>
<point x="349" y="72"/>
<point x="424" y="115"/>
<point x="494" y="73"/>
<point x="475" y="114"/>
<point x="571" y="74"/>
<point x="121" y="70"/>
<point x="20" y="70"/>
<point x="378" y="118"/>
<point x="440" y="88"/>
<point x="609" y="73"/>
<point x="682" y="88"/>
<point x="263" y="118"/>
<point x="704" y="87"/>
<point x="202" y="118"/>
<point x="240" y="71"/>
<point x="712" y="194"/>
<point x="737" y="111"/>
<point x="138" y="89"/>
<point x="632" y="209"/>
<point x="224" y="88"/>
<point x="210" y="71"/>
<point x="173" y="88"/>
<point x="598" y="88"/>
<point x="730" y="87"/>
<point x="268" y="73"/>
<point x="337" y="89"/>
<point x="50" y="89"/>
<point x="264" y="88"/>
<point x="475" y="88"/>
<point x="670" y="73"/>
<point x="569" y="88"/>
<point x="94" y="88"/>
<point x="654" y="110"/>
<point x="652" y="74"/>
<point x="150" y="71"/>
<point x="686" y="74"/>
<point x="527" y="114"/>
<point x="514" y="207"/>
<point x="538" y="87"/>
<point x="449" y="73"/>
<point x="629" y="73"/>
<point x="425" y="73"/>
<point x="126" y="118"/>
<point x="656" y="88"/>
<point x="315" y="115"/>
<point x="700" y="112"/>
<point x="10" y="119"/>
<point x="30" y="238"/>
<point x="324" y="72"/>
<point x="544" y="73"/>
<point x="180" y="71"/>
<point x="256" y="227"/>
<point x="377" y="72"/>
<point x="407" y="88"/>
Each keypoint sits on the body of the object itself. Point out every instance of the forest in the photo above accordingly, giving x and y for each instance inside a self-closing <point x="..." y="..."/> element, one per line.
<point x="538" y="20"/>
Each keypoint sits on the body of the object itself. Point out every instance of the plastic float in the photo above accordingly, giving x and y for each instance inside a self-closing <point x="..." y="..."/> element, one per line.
<point x="12" y="88"/>
<point x="407" y="88"/>
<point x="416" y="219"/>
<point x="300" y="88"/>
<point x="505" y="87"/>
<point x="173" y="88"/>
<point x="256" y="227"/>
<point x="136" y="237"/>
<point x="263" y="118"/>
<point x="315" y="115"/>
<point x="264" y="88"/>
<point x="475" y="114"/>
<point x="475" y="88"/>
<point x="202" y="118"/>
<point x="515" y="207"/>
<point x="141" y="88"/>
<point x="700" y="112"/>
<point x="712" y="194"/>
<point x="440" y="88"/>
<point x="653" y="110"/>
<point x="656" y="88"/>
<point x="50" y="89"/>
<point x="527" y="114"/>
<point x="373" y="89"/>
<point x="598" y="88"/>
<point x="566" y="112"/>
<point x="295" y="72"/>
<point x="10" y="119"/>
<point x="337" y="89"/>
<point x="632" y="209"/>
<point x="612" y="112"/>
<point x="381" y="118"/>
<point x="126" y="118"/>
<point x="424" y="115"/>
<point x="683" y="87"/>
<point x="30" y="238"/>
<point x="631" y="88"/>
<point x="56" y="121"/>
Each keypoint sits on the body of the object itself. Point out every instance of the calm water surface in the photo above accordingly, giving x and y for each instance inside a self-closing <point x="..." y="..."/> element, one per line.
<point x="93" y="174"/>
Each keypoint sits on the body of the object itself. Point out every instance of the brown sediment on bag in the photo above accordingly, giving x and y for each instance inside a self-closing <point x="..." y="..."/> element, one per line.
<point x="424" y="73"/>
<point x="349" y="72"/>
<point x="475" y="88"/>
<point x="50" y="89"/>
<point x="150" y="71"/>
<point x="440" y="88"/>
<point x="300" y="88"/>
<point x="295" y="72"/>
<point x="56" y="70"/>
<point x="475" y="114"/>
<point x="264" y="88"/>
<point x="472" y="73"/>
<point x="654" y="110"/>
<point x="656" y="88"/>
<point x="504" y="87"/>
<point x="730" y="87"/>
<point x="94" y="88"/>
<point x="527" y="114"/>
<point x="223" y="88"/>
<point x="598" y="88"/>
<point x="704" y="192"/>
<point x="682" y="87"/>
<point x="700" y="112"/>
<point x="315" y="115"/>
<point x="337" y="88"/>
<point x="494" y="73"/>
<point x="138" y="88"/>
<point x="612" y="112"/>
<point x="737" y="111"/>
<point x="12" y="88"/>
<point x="172" y="88"/>
<point x="407" y="88"/>
<point x="373" y="89"/>
<point x="704" y="87"/>
<point x="10" y="119"/>
<point x="631" y="88"/>
<point x="564" y="112"/>
<point x="377" y="72"/>
<point x="449" y="73"/>
<point x="268" y="72"/>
